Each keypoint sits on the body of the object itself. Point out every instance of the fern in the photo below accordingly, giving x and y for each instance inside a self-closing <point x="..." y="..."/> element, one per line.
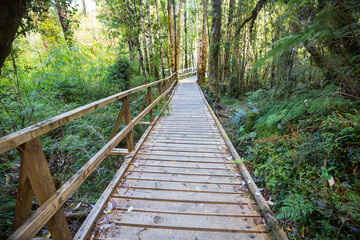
<point x="295" y="207"/>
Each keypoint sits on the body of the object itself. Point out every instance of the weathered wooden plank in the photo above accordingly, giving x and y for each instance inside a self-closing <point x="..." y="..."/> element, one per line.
<point x="125" y="233"/>
<point x="188" y="171"/>
<point x="211" y="165"/>
<point x="184" y="178"/>
<point x="186" y="222"/>
<point x="185" y="153"/>
<point x="174" y="158"/>
<point x="152" y="141"/>
<point x="187" y="149"/>
<point x="186" y="208"/>
<point x="178" y="186"/>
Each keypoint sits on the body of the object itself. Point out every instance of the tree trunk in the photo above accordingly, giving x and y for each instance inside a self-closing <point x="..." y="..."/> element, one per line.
<point x="215" y="48"/>
<point x="160" y="45"/>
<point x="185" y="41"/>
<point x="203" y="46"/>
<point x="11" y="14"/>
<point x="63" y="18"/>
<point x="141" y="59"/>
<point x="144" y="37"/>
<point x="84" y="7"/>
<point x="154" y="68"/>
<point x="172" y="36"/>
<point x="226" y="70"/>
<point x="178" y="37"/>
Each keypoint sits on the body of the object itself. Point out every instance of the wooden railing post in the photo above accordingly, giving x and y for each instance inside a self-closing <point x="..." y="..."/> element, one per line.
<point x="129" y="137"/>
<point x="149" y="97"/>
<point x="35" y="174"/>
<point x="160" y="91"/>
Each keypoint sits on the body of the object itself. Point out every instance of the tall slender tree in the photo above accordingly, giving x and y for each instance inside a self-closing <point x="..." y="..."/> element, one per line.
<point x="202" y="61"/>
<point x="172" y="35"/>
<point x="178" y="38"/>
<point x="215" y="48"/>
<point x="160" y="37"/>
<point x="144" y="36"/>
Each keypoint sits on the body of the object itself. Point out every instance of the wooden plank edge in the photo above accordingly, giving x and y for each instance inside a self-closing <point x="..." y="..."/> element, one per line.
<point x="91" y="219"/>
<point x="254" y="190"/>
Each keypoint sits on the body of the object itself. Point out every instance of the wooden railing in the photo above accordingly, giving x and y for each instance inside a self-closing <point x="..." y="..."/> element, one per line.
<point x="35" y="177"/>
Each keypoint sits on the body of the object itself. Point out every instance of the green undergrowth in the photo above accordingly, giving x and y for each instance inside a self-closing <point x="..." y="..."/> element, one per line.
<point x="304" y="153"/>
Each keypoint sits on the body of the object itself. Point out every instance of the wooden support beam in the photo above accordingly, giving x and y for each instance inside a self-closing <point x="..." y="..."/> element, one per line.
<point x="24" y="198"/>
<point x="129" y="137"/>
<point x="119" y="151"/>
<point x="149" y="97"/>
<point x="117" y="123"/>
<point x="143" y="123"/>
<point x="38" y="173"/>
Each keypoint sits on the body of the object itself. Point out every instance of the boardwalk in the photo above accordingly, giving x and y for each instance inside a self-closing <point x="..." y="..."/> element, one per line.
<point x="182" y="184"/>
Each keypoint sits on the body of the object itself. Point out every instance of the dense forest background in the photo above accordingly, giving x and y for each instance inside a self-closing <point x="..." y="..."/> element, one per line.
<point x="282" y="75"/>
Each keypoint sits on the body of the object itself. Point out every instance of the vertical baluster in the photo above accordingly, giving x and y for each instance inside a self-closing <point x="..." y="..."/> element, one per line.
<point x="149" y="102"/>
<point x="129" y="137"/>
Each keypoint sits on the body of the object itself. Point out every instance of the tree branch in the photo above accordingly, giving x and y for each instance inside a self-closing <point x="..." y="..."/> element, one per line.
<point x="253" y="16"/>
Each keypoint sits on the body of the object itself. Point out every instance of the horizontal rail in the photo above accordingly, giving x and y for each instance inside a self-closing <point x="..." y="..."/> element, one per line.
<point x="15" y="139"/>
<point x="43" y="214"/>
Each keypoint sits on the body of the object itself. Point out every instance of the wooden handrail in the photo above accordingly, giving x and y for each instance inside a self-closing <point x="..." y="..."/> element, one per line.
<point x="15" y="139"/>
<point x="47" y="210"/>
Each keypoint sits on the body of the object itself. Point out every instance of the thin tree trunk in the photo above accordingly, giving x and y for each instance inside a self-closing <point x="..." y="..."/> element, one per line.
<point x="226" y="70"/>
<point x="141" y="59"/>
<point x="154" y="68"/>
<point x="65" y="26"/>
<point x="84" y="7"/>
<point x="203" y="46"/>
<point x="185" y="41"/>
<point x="144" y="37"/>
<point x="215" y="48"/>
<point x="178" y="37"/>
<point x="172" y="35"/>
<point x="160" y="45"/>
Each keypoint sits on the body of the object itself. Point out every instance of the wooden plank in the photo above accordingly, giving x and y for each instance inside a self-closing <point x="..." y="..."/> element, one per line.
<point x="184" y="178"/>
<point x="185" y="208"/>
<point x="186" y="222"/>
<point x="24" y="198"/>
<point x="188" y="149"/>
<point x="211" y="165"/>
<point x="189" y="171"/>
<point x="127" y="116"/>
<point x="125" y="233"/>
<point x="197" y="196"/>
<point x="183" y="142"/>
<point x="185" y="153"/>
<point x="119" y="151"/>
<point x="15" y="139"/>
<point x="117" y="123"/>
<point x="176" y="158"/>
<point x="192" y="144"/>
<point x="178" y="186"/>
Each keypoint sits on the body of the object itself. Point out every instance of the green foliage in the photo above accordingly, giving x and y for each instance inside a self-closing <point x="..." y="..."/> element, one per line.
<point x="295" y="207"/>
